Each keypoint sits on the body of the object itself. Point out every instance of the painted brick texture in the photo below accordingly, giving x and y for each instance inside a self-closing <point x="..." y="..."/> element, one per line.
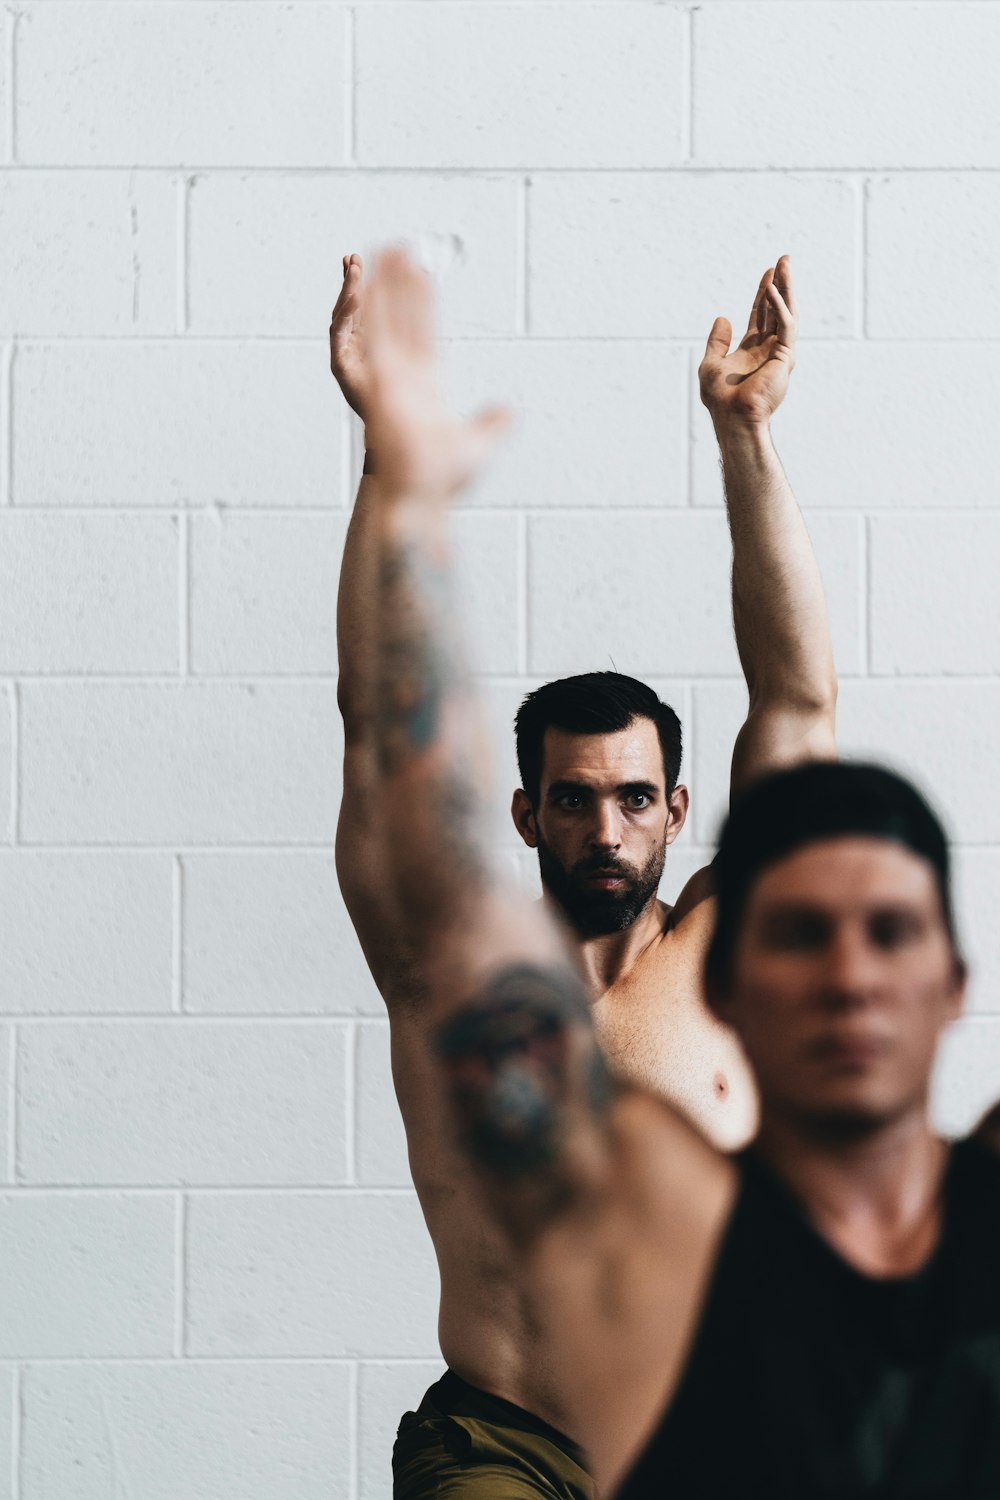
<point x="214" y="1275"/>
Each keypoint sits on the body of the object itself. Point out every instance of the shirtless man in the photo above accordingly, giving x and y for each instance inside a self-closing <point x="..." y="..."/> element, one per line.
<point x="600" y="807"/>
<point x="606" y="804"/>
<point x="820" y="1317"/>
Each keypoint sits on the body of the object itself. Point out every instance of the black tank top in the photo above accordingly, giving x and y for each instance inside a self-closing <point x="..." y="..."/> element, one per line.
<point x="810" y="1381"/>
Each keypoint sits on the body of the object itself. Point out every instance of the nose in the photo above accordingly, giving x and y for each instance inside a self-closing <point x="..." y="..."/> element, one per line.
<point x="606" y="830"/>
<point x="850" y="968"/>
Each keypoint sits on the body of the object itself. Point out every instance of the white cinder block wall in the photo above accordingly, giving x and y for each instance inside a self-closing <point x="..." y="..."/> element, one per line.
<point x="214" y="1279"/>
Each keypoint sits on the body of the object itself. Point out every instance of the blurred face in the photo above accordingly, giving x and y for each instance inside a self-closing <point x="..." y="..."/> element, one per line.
<point x="602" y="824"/>
<point x="843" y="978"/>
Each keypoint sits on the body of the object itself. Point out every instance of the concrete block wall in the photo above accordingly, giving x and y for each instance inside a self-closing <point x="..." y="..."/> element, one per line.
<point x="214" y="1278"/>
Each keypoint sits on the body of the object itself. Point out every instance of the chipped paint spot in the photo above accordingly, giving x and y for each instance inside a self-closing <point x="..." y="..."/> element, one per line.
<point x="133" y="215"/>
<point x="438" y="253"/>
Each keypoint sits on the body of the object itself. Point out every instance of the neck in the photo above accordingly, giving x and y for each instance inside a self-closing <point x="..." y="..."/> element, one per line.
<point x="609" y="956"/>
<point x="874" y="1196"/>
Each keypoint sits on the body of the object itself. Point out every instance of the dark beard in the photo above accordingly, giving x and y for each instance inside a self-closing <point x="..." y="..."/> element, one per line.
<point x="591" y="912"/>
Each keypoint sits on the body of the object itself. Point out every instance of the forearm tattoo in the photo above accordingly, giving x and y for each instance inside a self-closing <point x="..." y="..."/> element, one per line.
<point x="515" y="1067"/>
<point x="421" y="675"/>
<point x="417" y="662"/>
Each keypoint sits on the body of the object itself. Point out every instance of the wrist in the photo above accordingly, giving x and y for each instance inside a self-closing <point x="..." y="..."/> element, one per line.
<point x="742" y="435"/>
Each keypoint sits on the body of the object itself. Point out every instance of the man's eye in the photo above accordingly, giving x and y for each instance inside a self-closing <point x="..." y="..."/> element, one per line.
<point x="638" y="799"/>
<point x="571" y="801"/>
<point x="892" y="931"/>
<point x="798" y="936"/>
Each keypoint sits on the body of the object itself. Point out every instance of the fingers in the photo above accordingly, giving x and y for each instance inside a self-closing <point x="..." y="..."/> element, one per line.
<point x="758" y="311"/>
<point x="400" y="305"/>
<point x="784" y="318"/>
<point x="775" y="312"/>
<point x="783" y="281"/>
<point x="719" y="339"/>
<point x="347" y="300"/>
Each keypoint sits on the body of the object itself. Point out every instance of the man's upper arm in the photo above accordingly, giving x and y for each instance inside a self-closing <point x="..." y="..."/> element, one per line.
<point x="777" y="735"/>
<point x="364" y="882"/>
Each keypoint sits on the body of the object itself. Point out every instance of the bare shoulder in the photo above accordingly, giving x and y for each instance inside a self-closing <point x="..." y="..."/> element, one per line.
<point x="694" y="909"/>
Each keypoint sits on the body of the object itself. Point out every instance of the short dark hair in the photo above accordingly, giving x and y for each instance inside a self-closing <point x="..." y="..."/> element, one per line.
<point x="591" y="703"/>
<point x="817" y="800"/>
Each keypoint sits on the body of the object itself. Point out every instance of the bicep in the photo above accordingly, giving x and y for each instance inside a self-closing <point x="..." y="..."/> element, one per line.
<point x="364" y="884"/>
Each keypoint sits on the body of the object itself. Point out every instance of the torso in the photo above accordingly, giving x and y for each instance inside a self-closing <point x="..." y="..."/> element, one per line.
<point x="659" y="1036"/>
<point x="658" y="1033"/>
<point x="835" y="1384"/>
<point x="486" y="1329"/>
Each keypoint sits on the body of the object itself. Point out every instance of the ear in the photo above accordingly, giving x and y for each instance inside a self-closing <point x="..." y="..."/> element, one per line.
<point x="678" y="811"/>
<point x="523" y="814"/>
<point x="959" y="988"/>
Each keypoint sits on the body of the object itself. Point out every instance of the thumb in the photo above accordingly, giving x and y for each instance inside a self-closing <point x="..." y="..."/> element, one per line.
<point x="719" y="339"/>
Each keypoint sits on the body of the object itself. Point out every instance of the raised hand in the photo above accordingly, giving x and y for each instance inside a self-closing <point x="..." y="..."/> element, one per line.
<point x="749" y="384"/>
<point x="346" y="352"/>
<point x="420" y="446"/>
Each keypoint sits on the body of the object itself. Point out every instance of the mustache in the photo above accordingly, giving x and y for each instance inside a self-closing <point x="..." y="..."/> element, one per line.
<point x="603" y="864"/>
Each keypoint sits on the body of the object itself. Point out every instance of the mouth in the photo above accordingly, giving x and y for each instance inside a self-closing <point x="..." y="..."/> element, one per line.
<point x="851" y="1052"/>
<point x="602" y="880"/>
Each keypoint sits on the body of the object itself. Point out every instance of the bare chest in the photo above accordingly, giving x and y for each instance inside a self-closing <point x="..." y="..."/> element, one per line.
<point x="658" y="1034"/>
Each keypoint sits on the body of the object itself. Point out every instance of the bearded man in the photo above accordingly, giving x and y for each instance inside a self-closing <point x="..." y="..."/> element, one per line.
<point x="601" y="802"/>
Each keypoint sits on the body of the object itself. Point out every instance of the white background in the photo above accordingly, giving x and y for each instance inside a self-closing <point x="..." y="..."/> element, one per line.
<point x="214" y="1279"/>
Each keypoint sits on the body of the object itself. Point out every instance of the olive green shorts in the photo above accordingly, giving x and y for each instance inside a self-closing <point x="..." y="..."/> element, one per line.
<point x="463" y="1444"/>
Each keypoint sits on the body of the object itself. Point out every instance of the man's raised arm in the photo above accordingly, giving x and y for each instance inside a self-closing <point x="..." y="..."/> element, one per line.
<point x="508" y="1015"/>
<point x="360" y="829"/>
<point x="779" y="611"/>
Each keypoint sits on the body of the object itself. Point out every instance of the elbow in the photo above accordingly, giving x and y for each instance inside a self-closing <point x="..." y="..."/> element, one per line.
<point x="345" y="697"/>
<point x="356" y="710"/>
<point x="820" y="696"/>
<point x="805" y="697"/>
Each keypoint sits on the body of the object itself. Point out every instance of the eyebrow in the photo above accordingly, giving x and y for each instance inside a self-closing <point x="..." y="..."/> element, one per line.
<point x="785" y="910"/>
<point x="792" y="911"/>
<point x="560" y="788"/>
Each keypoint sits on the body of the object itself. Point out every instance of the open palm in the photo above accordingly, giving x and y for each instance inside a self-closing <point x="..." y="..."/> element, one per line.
<point x="347" y="360"/>
<point x="421" y="446"/>
<point x="750" y="382"/>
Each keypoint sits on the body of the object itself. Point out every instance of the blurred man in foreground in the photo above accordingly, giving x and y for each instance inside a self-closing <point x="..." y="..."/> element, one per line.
<point x="820" y="1317"/>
